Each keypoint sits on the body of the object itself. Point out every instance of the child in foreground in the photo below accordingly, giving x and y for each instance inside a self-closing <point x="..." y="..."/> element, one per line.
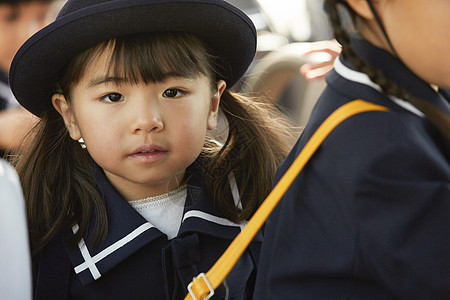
<point x="126" y="195"/>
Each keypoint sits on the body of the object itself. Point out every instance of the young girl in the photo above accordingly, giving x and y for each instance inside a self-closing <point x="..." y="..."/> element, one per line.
<point x="126" y="197"/>
<point x="369" y="216"/>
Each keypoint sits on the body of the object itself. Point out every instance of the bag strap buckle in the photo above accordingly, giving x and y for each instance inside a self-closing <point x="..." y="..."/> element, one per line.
<point x="207" y="283"/>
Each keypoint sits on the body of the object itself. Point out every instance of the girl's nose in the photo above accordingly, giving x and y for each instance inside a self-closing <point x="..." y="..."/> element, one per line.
<point x="147" y="118"/>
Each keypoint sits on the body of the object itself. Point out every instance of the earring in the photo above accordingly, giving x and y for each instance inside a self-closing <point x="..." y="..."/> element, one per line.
<point x="82" y="144"/>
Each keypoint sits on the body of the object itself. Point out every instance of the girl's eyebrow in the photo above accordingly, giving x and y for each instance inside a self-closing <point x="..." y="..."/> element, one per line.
<point x="120" y="80"/>
<point x="108" y="79"/>
<point x="174" y="75"/>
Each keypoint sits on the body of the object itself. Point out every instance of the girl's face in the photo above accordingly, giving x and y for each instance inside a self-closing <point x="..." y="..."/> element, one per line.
<point x="143" y="135"/>
<point x="419" y="32"/>
<point x="17" y="24"/>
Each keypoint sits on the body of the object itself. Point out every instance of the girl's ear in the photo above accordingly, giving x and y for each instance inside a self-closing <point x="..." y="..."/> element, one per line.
<point x="362" y="8"/>
<point x="63" y="107"/>
<point x="215" y="101"/>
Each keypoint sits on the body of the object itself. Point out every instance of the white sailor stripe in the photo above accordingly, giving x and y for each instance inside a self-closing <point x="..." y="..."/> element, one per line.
<point x="362" y="78"/>
<point x="209" y="217"/>
<point x="234" y="190"/>
<point x="91" y="261"/>
<point x="88" y="262"/>
<point x="235" y="194"/>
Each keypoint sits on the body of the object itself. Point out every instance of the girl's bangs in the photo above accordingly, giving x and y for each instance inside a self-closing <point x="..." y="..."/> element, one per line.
<point x="155" y="57"/>
<point x="148" y="58"/>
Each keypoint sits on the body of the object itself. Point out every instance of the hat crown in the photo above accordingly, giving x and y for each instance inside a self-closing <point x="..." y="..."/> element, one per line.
<point x="72" y="6"/>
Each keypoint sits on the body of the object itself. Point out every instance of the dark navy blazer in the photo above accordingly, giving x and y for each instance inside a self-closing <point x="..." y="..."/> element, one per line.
<point x="138" y="262"/>
<point x="369" y="216"/>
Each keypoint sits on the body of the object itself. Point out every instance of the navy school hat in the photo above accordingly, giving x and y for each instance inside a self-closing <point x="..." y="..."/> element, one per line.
<point x="81" y="24"/>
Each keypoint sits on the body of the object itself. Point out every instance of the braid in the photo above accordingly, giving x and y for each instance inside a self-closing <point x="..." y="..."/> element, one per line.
<point x="439" y="119"/>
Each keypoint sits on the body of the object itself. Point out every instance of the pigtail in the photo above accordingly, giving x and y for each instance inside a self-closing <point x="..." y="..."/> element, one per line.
<point x="258" y="140"/>
<point x="436" y="117"/>
<point x="58" y="181"/>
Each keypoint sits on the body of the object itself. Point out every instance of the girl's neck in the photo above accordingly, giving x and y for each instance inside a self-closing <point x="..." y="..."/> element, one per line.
<point x="371" y="33"/>
<point x="135" y="190"/>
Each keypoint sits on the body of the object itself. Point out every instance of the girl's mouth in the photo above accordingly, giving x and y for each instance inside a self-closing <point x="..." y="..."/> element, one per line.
<point x="149" y="154"/>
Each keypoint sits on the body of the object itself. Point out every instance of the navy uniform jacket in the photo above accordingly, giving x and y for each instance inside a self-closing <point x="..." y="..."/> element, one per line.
<point x="138" y="262"/>
<point x="369" y="216"/>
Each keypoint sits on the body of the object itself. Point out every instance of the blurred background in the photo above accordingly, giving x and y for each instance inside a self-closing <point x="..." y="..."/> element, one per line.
<point x="286" y="32"/>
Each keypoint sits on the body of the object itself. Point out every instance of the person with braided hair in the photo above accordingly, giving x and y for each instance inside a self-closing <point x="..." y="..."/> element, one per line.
<point x="369" y="215"/>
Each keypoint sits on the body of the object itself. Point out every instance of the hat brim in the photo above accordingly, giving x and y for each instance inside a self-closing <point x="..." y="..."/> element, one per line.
<point x="38" y="64"/>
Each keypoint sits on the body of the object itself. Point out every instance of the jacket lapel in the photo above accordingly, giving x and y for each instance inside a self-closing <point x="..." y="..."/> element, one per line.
<point x="128" y="231"/>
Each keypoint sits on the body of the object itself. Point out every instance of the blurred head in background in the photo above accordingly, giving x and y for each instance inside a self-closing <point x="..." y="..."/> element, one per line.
<point x="19" y="19"/>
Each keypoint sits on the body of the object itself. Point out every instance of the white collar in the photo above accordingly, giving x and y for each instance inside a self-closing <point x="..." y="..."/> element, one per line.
<point x="362" y="78"/>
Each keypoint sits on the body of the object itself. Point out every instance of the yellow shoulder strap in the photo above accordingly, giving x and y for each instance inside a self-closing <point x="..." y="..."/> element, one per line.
<point x="203" y="286"/>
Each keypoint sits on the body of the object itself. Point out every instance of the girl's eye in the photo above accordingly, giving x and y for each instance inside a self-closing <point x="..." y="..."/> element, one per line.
<point x="172" y="93"/>
<point x="113" y="97"/>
